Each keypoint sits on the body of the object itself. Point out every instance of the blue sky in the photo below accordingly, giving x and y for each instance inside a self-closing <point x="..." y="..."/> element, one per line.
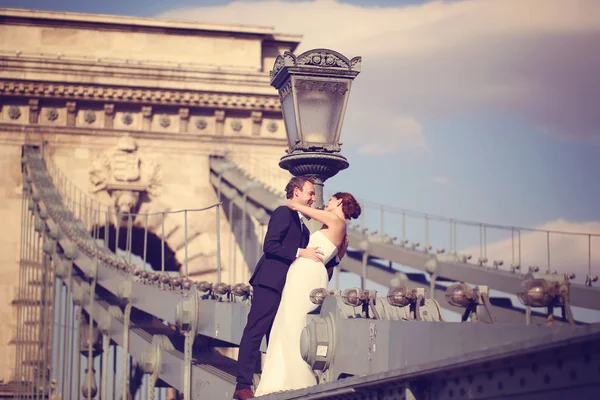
<point x="484" y="110"/>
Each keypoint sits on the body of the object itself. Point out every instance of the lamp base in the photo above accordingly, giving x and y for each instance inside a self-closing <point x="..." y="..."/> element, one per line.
<point x="322" y="165"/>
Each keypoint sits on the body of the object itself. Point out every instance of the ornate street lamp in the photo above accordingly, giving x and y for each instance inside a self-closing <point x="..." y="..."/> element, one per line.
<point x="314" y="89"/>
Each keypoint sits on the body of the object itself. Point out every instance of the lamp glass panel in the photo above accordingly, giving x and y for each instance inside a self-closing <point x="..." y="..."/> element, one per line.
<point x="320" y="108"/>
<point x="289" y="117"/>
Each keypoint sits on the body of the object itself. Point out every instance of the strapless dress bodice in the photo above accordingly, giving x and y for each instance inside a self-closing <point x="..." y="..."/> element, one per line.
<point x="318" y="239"/>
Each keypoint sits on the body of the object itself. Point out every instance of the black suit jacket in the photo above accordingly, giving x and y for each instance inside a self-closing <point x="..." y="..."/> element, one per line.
<point x="283" y="239"/>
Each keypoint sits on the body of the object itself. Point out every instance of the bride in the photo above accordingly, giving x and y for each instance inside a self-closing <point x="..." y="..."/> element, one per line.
<point x="284" y="368"/>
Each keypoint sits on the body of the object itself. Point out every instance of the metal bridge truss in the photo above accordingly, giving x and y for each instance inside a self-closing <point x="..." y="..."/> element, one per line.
<point x="360" y="346"/>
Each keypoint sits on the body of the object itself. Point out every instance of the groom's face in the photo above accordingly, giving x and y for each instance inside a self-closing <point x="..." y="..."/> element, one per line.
<point x="306" y="196"/>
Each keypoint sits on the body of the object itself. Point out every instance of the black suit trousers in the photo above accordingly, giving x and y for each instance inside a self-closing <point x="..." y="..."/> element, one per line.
<point x="260" y="320"/>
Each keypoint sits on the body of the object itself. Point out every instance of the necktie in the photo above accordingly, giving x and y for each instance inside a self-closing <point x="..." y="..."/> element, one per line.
<point x="304" y="229"/>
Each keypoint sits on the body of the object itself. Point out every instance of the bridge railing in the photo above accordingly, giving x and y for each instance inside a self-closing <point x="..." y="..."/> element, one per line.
<point x="512" y="248"/>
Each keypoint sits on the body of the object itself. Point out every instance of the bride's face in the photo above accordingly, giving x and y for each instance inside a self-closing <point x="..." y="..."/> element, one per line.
<point x="332" y="204"/>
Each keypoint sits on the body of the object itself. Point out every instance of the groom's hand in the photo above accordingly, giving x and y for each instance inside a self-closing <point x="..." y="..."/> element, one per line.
<point x="312" y="253"/>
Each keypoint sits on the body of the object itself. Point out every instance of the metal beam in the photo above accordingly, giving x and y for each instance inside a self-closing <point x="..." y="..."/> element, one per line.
<point x="552" y="367"/>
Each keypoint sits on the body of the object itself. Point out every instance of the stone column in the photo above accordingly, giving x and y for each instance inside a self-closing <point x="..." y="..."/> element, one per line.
<point x="71" y="113"/>
<point x="147" y="118"/>
<point x="34" y="111"/>
<point x="109" y="115"/>
<point x="256" y="122"/>
<point x="220" y="122"/>
<point x="184" y="119"/>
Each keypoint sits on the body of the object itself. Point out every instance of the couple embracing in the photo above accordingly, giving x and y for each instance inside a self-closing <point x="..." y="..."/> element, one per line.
<point x="294" y="263"/>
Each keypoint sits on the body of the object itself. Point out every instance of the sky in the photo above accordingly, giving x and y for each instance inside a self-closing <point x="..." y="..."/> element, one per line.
<point x="480" y="110"/>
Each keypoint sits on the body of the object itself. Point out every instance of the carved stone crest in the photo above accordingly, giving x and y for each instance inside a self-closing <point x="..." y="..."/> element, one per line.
<point x="125" y="174"/>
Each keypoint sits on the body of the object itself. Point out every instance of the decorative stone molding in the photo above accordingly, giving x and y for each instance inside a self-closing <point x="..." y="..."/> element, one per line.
<point x="201" y="124"/>
<point x="127" y="119"/>
<point x="14" y="112"/>
<point x="52" y="114"/>
<point x="71" y="113"/>
<point x="109" y="115"/>
<point x="89" y="117"/>
<point x="257" y="117"/>
<point x="236" y="125"/>
<point x="34" y="111"/>
<point x="164" y="121"/>
<point x="185" y="98"/>
<point x="184" y="119"/>
<point x="72" y="136"/>
<point x="147" y="118"/>
<point x="272" y="127"/>
<point x="220" y="122"/>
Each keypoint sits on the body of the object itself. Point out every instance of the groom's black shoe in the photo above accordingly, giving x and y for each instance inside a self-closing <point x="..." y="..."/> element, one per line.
<point x="243" y="394"/>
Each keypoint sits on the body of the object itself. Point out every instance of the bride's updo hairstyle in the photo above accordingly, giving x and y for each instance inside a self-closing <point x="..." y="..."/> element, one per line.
<point x="350" y="206"/>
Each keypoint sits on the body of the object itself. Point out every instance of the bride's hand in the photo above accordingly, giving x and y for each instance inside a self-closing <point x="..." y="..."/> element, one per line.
<point x="312" y="253"/>
<point x="289" y="204"/>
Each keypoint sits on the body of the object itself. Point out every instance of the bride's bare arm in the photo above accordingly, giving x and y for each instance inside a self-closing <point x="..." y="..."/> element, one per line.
<point x="324" y="217"/>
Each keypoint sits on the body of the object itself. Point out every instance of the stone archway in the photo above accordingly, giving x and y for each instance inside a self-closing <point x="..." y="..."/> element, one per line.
<point x="154" y="250"/>
<point x="146" y="236"/>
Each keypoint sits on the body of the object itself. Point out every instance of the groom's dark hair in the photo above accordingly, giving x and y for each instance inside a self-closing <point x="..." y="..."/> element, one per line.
<point x="297" y="182"/>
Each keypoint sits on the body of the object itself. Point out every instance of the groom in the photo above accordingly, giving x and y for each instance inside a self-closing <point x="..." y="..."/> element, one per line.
<point x="285" y="240"/>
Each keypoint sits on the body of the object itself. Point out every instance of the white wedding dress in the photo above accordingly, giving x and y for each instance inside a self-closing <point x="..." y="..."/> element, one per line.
<point x="284" y="368"/>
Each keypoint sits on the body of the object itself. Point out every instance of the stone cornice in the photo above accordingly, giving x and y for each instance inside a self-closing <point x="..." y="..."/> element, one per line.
<point x="36" y="130"/>
<point x="121" y="94"/>
<point x="126" y="23"/>
<point x="75" y="69"/>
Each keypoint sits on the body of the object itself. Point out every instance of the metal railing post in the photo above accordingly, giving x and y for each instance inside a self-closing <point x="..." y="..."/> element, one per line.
<point x="218" y="233"/>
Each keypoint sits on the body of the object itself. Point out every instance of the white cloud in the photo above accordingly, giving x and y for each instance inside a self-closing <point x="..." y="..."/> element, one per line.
<point x="399" y="133"/>
<point x="533" y="60"/>
<point x="569" y="253"/>
<point x="443" y="180"/>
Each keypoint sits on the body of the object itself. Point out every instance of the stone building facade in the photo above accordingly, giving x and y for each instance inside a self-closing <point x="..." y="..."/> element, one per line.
<point x="110" y="94"/>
